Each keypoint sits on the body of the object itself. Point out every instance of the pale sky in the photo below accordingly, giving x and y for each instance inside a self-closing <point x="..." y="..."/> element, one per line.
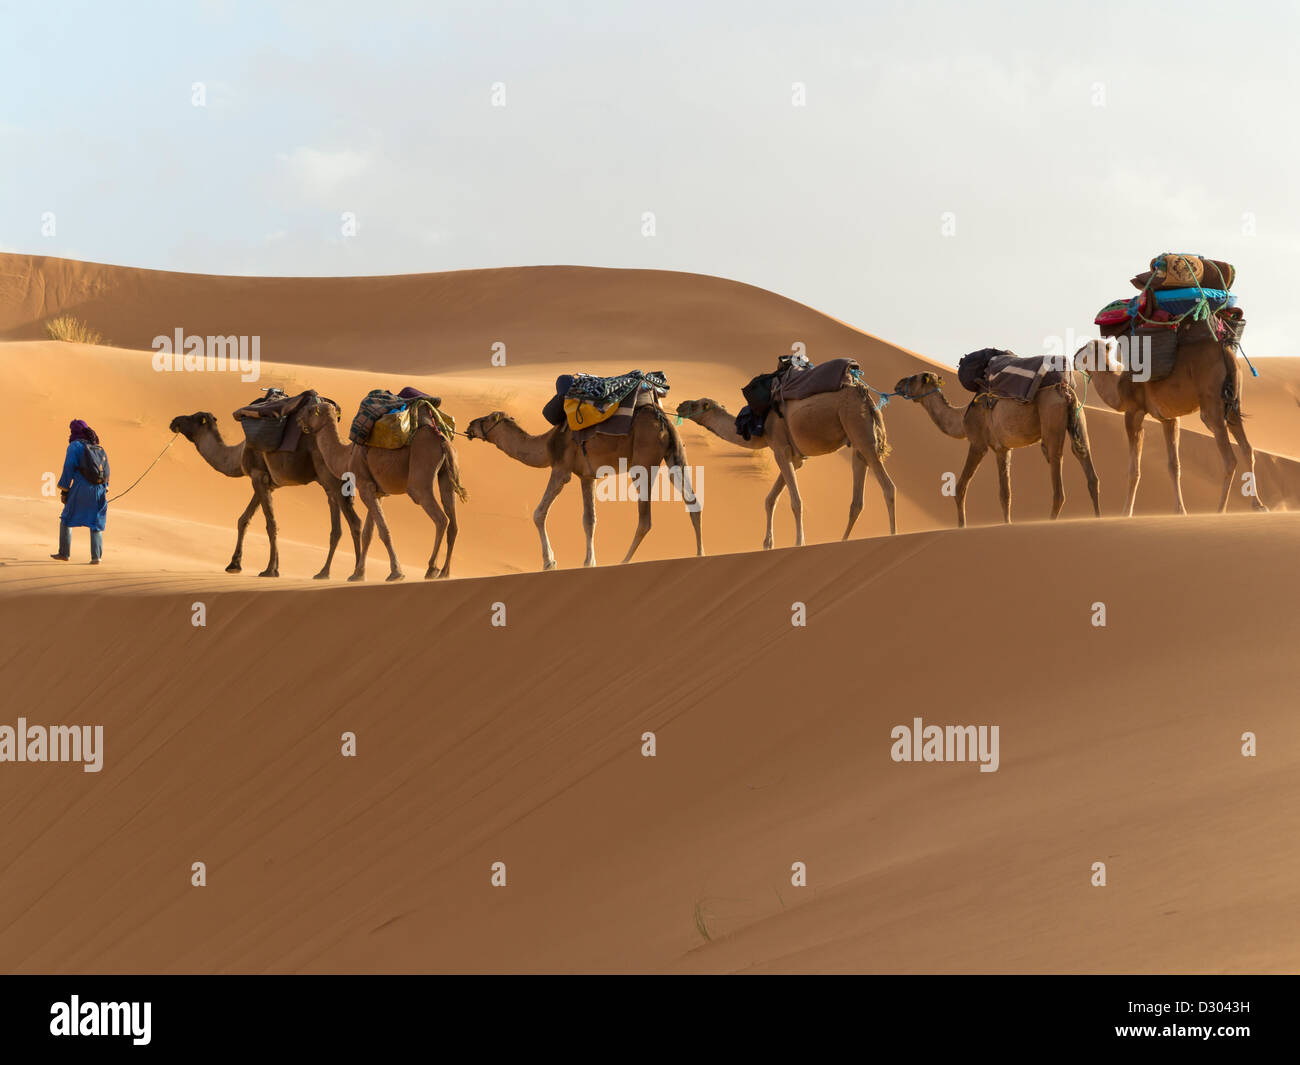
<point x="1066" y="144"/>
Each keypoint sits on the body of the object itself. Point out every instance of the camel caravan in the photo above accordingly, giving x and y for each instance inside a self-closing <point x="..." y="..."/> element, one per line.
<point x="1169" y="351"/>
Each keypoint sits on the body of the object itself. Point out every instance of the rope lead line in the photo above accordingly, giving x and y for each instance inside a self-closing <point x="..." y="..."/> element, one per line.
<point x="142" y="476"/>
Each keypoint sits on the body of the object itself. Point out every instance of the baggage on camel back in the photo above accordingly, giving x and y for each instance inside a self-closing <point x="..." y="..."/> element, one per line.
<point x="387" y="420"/>
<point x="795" y="377"/>
<point x="606" y="404"/>
<point x="1179" y="296"/>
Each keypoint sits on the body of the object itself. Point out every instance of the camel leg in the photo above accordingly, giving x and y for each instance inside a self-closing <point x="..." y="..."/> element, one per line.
<point x="367" y="532"/>
<point x="336" y="531"/>
<point x="589" y="519"/>
<point x="1084" y="455"/>
<point x="887" y="489"/>
<point x="423" y="497"/>
<point x="973" y="459"/>
<point x="1004" y="483"/>
<point x="1171" y="430"/>
<point x="241" y="526"/>
<point x="855" y="504"/>
<point x="559" y="478"/>
<point x="262" y="486"/>
<point x="1238" y="430"/>
<point x="787" y="467"/>
<point x="642" y="523"/>
<point x="376" y="513"/>
<point x="1133" y="426"/>
<point x="448" y="492"/>
<point x="1213" y="418"/>
<point x="770" y="504"/>
<point x="862" y="438"/>
<point x="681" y="479"/>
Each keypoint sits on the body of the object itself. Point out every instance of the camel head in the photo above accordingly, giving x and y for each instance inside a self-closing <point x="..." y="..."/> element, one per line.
<point x="695" y="409"/>
<point x="480" y="427"/>
<point x="1097" y="356"/>
<point x="191" y="425"/>
<point x="313" y="417"/>
<point x="918" y="385"/>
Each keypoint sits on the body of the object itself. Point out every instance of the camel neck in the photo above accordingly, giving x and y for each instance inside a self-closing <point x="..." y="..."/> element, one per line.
<point x="222" y="457"/>
<point x="948" y="418"/>
<point x="519" y="445"/>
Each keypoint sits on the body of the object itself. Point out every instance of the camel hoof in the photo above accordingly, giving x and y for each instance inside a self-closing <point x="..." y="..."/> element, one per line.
<point x="548" y="565"/>
<point x="269" y="573"/>
<point x="431" y="573"/>
<point x="1260" y="508"/>
<point x="356" y="578"/>
<point x="323" y="575"/>
<point x="396" y="575"/>
<point x="234" y="567"/>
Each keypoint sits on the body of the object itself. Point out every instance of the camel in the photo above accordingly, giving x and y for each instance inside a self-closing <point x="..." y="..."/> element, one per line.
<point x="1206" y="377"/>
<point x="817" y="425"/>
<point x="1005" y="424"/>
<point x="377" y="472"/>
<point x="652" y="441"/>
<point x="268" y="471"/>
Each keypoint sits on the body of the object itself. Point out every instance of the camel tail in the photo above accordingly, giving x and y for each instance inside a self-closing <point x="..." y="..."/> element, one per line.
<point x="1077" y="426"/>
<point x="877" y="421"/>
<point x="453" y="470"/>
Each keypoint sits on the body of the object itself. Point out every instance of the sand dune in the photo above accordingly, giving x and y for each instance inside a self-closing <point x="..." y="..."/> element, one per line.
<point x="522" y="744"/>
<point x="478" y="745"/>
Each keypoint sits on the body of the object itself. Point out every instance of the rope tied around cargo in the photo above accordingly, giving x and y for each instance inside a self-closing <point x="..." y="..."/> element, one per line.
<point x="142" y="476"/>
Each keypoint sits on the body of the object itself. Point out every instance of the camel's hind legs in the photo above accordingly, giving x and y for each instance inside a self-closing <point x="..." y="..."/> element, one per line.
<point x="447" y="490"/>
<point x="423" y="497"/>
<point x="1003" y="459"/>
<point x="1213" y="417"/>
<point x="1238" y="430"/>
<point x="855" y="504"/>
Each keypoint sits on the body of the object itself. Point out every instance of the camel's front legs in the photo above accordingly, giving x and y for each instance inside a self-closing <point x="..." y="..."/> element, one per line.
<point x="367" y="532"/>
<point x="375" y="514"/>
<point x="855" y="504"/>
<point x="973" y="459"/>
<point x="1238" y="429"/>
<point x="262" y="486"/>
<point x="770" y="504"/>
<point x="1133" y="427"/>
<point x="559" y="478"/>
<point x="589" y="519"/>
<point x="787" y="467"/>
<point x="336" y="531"/>
<point x="1171" y="428"/>
<point x="237" y="559"/>
<point x="1004" y="484"/>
